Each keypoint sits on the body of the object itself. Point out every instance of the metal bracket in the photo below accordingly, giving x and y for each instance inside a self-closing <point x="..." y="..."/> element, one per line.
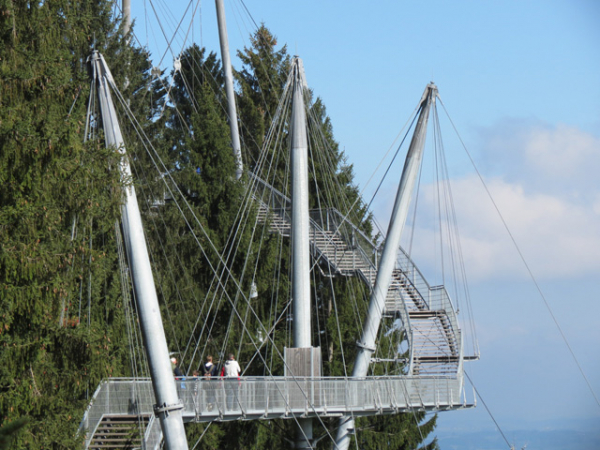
<point x="165" y="409"/>
<point x="364" y="346"/>
<point x="393" y="360"/>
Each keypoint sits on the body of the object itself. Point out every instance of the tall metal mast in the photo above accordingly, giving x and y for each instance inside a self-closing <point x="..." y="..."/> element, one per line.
<point x="168" y="407"/>
<point x="231" y="110"/>
<point x="300" y="229"/>
<point x="126" y="15"/>
<point x="300" y="232"/>
<point x="390" y="251"/>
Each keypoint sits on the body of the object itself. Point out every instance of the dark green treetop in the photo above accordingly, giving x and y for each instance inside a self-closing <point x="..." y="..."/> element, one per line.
<point x="61" y="313"/>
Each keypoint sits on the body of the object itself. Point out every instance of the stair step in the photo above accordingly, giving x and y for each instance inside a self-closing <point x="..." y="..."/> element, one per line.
<point x="433" y="338"/>
<point x="118" y="432"/>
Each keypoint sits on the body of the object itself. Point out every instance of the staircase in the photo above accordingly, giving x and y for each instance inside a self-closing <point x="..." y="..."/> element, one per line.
<point x="119" y="431"/>
<point x="426" y="312"/>
<point x="120" y="412"/>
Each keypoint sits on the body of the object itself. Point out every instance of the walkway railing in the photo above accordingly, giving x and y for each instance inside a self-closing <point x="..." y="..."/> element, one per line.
<point x="329" y="220"/>
<point x="276" y="397"/>
<point x="429" y="319"/>
<point x="426" y="311"/>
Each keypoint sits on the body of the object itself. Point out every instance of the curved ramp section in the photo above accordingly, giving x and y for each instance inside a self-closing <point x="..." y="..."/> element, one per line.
<point x="429" y="319"/>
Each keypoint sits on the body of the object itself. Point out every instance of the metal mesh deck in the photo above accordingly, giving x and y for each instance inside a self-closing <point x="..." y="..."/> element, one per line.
<point x="276" y="397"/>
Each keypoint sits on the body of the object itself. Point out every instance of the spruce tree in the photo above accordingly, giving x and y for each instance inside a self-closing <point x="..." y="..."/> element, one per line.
<point x="61" y="322"/>
<point x="261" y="80"/>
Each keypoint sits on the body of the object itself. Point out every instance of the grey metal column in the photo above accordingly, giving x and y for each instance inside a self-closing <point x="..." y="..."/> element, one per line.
<point x="127" y="15"/>
<point x="300" y="232"/>
<point x="168" y="406"/>
<point x="390" y="251"/>
<point x="231" y="110"/>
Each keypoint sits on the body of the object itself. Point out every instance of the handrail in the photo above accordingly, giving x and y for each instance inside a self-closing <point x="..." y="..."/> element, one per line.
<point x="280" y="397"/>
<point x="127" y="402"/>
<point x="328" y="223"/>
<point x="89" y="423"/>
<point x="287" y="202"/>
<point x="153" y="435"/>
<point x="272" y="189"/>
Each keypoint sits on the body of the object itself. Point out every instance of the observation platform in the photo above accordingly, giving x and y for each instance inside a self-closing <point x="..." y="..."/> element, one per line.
<point x="250" y="398"/>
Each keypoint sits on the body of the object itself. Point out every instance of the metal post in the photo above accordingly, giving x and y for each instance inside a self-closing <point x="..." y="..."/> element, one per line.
<point x="126" y="28"/>
<point x="231" y="111"/>
<point x="168" y="406"/>
<point x="390" y="251"/>
<point x="126" y="16"/>
<point x="300" y="232"/>
<point x="300" y="228"/>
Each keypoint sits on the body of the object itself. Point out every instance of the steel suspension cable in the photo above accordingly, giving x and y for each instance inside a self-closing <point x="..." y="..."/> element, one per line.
<point x="524" y="261"/>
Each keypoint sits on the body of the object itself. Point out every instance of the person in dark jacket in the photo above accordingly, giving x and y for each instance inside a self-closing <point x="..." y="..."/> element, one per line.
<point x="210" y="372"/>
<point x="175" y="367"/>
<point x="209" y="369"/>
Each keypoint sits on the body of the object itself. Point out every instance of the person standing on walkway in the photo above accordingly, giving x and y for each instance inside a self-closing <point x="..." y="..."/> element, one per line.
<point x="209" y="369"/>
<point x="175" y="367"/>
<point x="231" y="372"/>
<point x="210" y="372"/>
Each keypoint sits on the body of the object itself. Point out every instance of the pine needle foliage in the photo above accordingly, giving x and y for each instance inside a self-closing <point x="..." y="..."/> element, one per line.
<point x="61" y="313"/>
<point x="62" y="320"/>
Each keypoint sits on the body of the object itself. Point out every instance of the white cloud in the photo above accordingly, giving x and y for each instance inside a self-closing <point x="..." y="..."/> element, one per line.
<point x="548" y="193"/>
<point x="557" y="238"/>
<point x="595" y="206"/>
<point x="561" y="159"/>
<point x="562" y="152"/>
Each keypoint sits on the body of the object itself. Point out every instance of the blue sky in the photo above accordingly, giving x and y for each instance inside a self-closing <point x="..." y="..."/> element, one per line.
<point x="520" y="81"/>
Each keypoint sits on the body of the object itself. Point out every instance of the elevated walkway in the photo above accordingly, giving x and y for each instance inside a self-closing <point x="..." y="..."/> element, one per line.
<point x="121" y="412"/>
<point x="426" y="312"/>
<point x="131" y="400"/>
